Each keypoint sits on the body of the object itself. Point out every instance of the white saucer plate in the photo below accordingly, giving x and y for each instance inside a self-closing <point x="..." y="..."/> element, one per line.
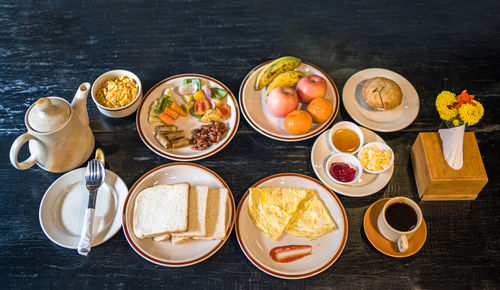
<point x="165" y="253"/>
<point x="366" y="185"/>
<point x="325" y="250"/>
<point x="189" y="123"/>
<point x="254" y="108"/>
<point x="380" y="120"/>
<point x="63" y="206"/>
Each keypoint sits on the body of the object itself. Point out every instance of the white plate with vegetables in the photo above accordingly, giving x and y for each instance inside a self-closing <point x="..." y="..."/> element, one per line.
<point x="188" y="117"/>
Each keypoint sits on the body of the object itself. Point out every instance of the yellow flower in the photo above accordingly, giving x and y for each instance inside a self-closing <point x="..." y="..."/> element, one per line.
<point x="456" y="122"/>
<point x="443" y="101"/>
<point x="471" y="114"/>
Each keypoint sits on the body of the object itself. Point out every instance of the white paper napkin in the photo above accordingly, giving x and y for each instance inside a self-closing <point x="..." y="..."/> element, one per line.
<point x="453" y="146"/>
<point x="89" y="231"/>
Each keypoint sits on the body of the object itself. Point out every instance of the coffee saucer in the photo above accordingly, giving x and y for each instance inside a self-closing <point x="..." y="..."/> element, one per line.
<point x="384" y="245"/>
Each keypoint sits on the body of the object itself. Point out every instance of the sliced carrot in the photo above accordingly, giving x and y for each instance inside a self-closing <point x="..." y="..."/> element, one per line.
<point x="178" y="109"/>
<point x="166" y="118"/>
<point x="172" y="113"/>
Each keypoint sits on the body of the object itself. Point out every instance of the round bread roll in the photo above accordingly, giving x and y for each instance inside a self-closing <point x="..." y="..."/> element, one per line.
<point x="382" y="93"/>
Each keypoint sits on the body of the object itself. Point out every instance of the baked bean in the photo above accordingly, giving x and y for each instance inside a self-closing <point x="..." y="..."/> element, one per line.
<point x="207" y="135"/>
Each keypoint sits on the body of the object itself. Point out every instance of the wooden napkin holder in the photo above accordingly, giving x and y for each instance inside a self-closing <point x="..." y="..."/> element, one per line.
<point x="436" y="180"/>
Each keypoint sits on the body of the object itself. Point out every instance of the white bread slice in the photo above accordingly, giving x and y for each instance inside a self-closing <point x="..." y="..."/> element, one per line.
<point x="161" y="209"/>
<point x="161" y="238"/>
<point x="198" y="196"/>
<point x="179" y="240"/>
<point x="216" y="215"/>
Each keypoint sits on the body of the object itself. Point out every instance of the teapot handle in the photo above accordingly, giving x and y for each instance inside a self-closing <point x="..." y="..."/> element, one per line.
<point x="14" y="151"/>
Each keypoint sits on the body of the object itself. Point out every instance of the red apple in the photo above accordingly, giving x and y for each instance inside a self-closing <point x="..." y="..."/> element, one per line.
<point x="311" y="87"/>
<point x="282" y="100"/>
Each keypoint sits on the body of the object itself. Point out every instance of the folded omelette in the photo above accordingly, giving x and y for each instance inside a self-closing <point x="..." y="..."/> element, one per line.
<point x="296" y="211"/>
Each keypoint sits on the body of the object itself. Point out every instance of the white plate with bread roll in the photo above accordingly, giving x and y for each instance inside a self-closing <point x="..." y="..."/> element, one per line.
<point x="178" y="214"/>
<point x="381" y="100"/>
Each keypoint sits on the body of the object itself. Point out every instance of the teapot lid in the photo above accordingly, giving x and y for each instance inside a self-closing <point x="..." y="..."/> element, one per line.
<point x="48" y="114"/>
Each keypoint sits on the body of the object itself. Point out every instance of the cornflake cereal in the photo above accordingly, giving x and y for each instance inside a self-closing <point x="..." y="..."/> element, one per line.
<point x="118" y="93"/>
<point x="375" y="159"/>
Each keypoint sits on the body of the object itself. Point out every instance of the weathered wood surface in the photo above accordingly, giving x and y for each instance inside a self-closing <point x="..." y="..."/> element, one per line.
<point x="50" y="48"/>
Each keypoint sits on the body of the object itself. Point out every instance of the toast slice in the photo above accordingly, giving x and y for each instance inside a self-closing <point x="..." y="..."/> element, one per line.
<point x="198" y="196"/>
<point x="216" y="215"/>
<point x="179" y="240"/>
<point x="161" y="209"/>
<point x="161" y="238"/>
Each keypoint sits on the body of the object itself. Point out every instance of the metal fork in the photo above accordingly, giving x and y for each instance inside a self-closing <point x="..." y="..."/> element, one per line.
<point x="93" y="180"/>
<point x="94" y="177"/>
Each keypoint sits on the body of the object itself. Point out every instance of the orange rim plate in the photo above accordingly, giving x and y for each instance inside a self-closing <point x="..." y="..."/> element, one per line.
<point x="382" y="244"/>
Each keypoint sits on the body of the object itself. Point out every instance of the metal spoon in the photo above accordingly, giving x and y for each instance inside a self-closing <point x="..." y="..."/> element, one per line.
<point x="94" y="178"/>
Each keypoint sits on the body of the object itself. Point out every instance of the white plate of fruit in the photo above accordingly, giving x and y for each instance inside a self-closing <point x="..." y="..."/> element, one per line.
<point x="288" y="99"/>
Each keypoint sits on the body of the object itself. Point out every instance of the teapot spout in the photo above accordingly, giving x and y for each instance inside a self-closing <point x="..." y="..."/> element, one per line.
<point x="79" y="103"/>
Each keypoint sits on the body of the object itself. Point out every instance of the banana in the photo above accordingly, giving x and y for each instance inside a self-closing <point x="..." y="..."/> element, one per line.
<point x="287" y="79"/>
<point x="277" y="66"/>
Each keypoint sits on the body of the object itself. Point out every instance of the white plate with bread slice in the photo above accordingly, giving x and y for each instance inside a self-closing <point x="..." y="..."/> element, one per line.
<point x="394" y="117"/>
<point x="178" y="214"/>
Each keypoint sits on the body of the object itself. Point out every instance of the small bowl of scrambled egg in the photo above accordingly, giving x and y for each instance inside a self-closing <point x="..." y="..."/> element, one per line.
<point x="117" y="93"/>
<point x="376" y="157"/>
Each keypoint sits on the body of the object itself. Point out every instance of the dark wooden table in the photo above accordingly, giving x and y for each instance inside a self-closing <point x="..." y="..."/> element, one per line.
<point x="50" y="48"/>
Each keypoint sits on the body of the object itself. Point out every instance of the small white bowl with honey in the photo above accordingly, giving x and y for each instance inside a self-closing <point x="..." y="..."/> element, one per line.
<point x="117" y="93"/>
<point x="345" y="137"/>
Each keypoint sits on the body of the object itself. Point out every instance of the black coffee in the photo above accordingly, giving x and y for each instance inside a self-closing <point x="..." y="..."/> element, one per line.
<point x="401" y="216"/>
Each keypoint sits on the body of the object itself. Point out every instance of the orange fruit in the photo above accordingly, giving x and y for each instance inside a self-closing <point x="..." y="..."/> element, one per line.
<point x="298" y="122"/>
<point x="320" y="109"/>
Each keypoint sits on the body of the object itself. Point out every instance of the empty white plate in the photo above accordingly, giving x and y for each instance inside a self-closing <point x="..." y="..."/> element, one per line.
<point x="63" y="206"/>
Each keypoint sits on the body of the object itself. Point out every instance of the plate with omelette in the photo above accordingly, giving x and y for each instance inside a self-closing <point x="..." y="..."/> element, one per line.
<point x="291" y="226"/>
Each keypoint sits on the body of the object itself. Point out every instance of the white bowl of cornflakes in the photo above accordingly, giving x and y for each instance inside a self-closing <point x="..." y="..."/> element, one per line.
<point x="376" y="157"/>
<point x="117" y="93"/>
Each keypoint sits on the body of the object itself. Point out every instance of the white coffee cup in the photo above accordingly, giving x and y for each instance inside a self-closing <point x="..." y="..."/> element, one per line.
<point x="392" y="234"/>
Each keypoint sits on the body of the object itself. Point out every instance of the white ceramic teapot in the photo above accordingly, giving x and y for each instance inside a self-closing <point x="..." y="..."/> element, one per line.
<point x="59" y="134"/>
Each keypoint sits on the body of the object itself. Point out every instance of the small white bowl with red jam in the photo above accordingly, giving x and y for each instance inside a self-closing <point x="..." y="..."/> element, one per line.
<point x="343" y="168"/>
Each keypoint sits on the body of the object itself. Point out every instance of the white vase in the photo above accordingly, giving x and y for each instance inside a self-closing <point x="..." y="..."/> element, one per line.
<point x="453" y="146"/>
